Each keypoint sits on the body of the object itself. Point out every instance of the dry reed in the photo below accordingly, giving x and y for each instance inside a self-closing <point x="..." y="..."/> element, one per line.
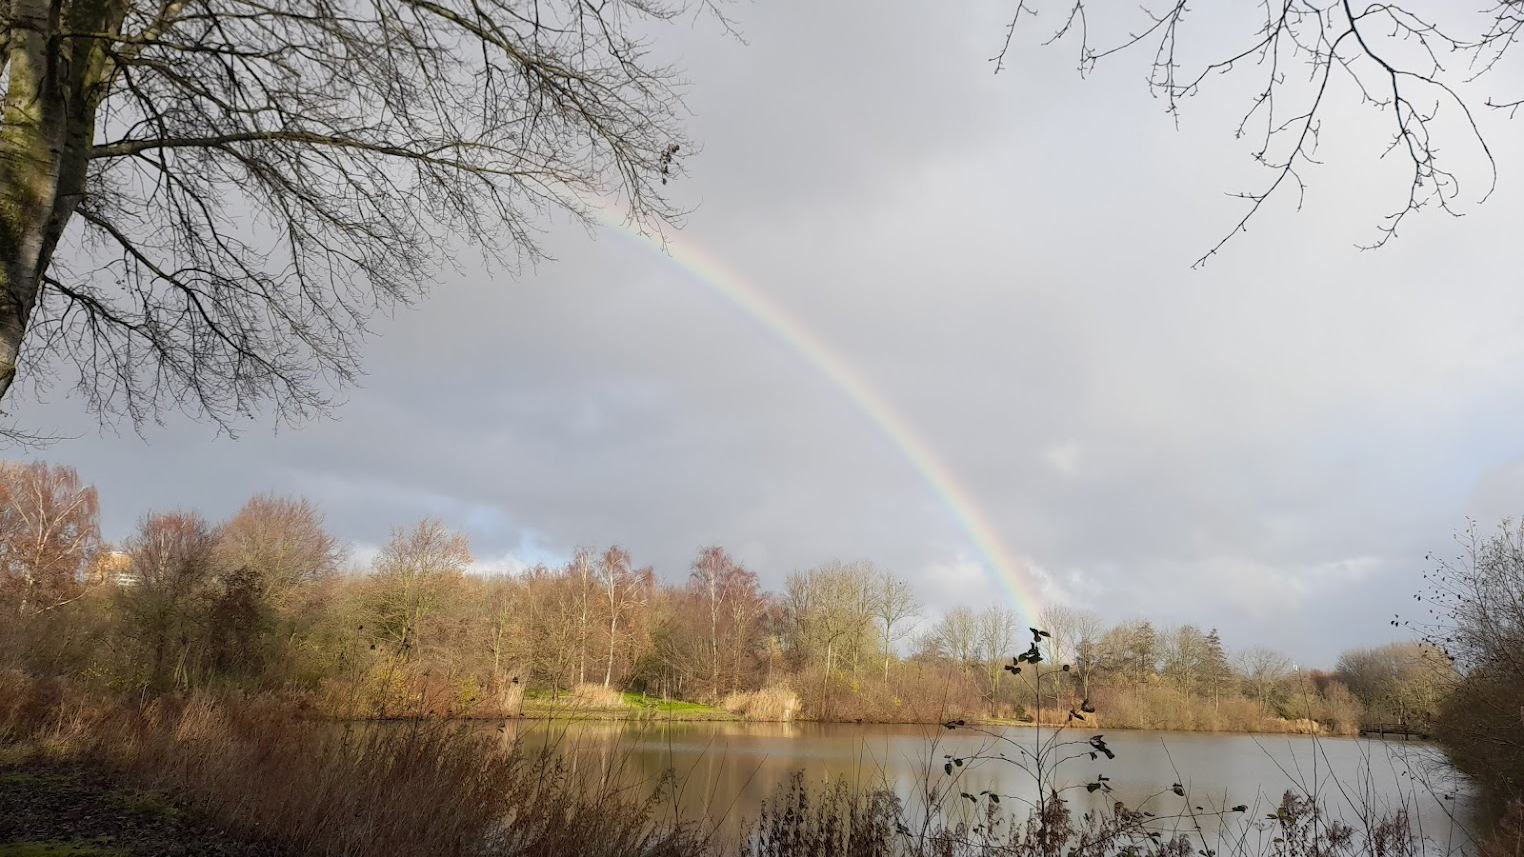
<point x="375" y="790"/>
<point x="771" y="704"/>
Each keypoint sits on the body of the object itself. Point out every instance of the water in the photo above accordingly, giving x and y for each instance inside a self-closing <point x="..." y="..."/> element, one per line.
<point x="724" y="771"/>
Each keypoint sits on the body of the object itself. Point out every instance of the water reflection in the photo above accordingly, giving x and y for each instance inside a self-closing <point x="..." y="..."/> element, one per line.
<point x="722" y="772"/>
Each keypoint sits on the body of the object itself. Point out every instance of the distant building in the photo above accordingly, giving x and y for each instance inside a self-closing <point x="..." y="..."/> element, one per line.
<point x="116" y="566"/>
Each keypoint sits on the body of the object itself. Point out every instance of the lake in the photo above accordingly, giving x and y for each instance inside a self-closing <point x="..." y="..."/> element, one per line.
<point x="724" y="771"/>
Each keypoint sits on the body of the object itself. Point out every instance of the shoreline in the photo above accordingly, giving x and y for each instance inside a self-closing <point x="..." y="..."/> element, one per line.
<point x="640" y="716"/>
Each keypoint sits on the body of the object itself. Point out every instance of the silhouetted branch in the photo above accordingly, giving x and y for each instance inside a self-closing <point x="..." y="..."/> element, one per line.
<point x="1363" y="43"/>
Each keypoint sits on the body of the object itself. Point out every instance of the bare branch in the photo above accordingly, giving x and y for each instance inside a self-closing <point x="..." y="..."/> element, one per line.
<point x="1364" y="44"/>
<point x="254" y="180"/>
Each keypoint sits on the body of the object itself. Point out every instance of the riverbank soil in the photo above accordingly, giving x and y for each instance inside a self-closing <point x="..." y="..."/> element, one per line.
<point x="69" y="811"/>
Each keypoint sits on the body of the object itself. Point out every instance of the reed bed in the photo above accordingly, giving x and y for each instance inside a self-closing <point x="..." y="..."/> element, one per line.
<point x="440" y="787"/>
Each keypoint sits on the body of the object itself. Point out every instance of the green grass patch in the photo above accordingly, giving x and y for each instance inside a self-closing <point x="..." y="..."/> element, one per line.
<point x="632" y="706"/>
<point x="28" y="778"/>
<point x="639" y="700"/>
<point x="57" y="848"/>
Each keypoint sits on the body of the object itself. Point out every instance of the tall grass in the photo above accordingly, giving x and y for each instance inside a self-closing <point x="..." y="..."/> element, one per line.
<point x="589" y="695"/>
<point x="420" y="788"/>
<point x="431" y="787"/>
<point x="770" y="704"/>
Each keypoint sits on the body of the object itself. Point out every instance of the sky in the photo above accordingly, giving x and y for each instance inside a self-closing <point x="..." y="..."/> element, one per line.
<point x="1269" y="445"/>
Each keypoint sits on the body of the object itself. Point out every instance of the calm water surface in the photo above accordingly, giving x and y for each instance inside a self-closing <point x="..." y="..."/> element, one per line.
<point x="724" y="771"/>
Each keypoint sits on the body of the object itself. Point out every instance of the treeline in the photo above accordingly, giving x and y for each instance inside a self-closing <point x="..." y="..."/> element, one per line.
<point x="265" y="602"/>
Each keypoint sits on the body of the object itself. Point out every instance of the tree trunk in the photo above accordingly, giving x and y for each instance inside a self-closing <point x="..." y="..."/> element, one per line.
<point x="608" y="672"/>
<point x="29" y="172"/>
<point x="46" y="130"/>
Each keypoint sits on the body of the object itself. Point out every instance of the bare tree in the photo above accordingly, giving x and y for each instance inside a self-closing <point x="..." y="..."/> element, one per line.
<point x="550" y="617"/>
<point x="1410" y="61"/>
<point x="727" y="595"/>
<point x="829" y="614"/>
<point x="895" y="603"/>
<point x="414" y="573"/>
<point x="995" y="641"/>
<point x="624" y="589"/>
<point x="1132" y="649"/>
<point x="173" y="568"/>
<point x="502" y="604"/>
<point x="202" y="203"/>
<point x="49" y="535"/>
<point x="580" y="572"/>
<point x="1183" y="655"/>
<point x="956" y="636"/>
<point x="1062" y="624"/>
<point x="1401" y="682"/>
<point x="857" y="588"/>
<point x="1087" y="633"/>
<point x="1264" y="672"/>
<point x="282" y="541"/>
<point x="1074" y="639"/>
<point x="1477" y="601"/>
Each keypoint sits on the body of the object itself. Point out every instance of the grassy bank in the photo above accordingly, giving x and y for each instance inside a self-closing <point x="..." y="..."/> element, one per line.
<point x="606" y="704"/>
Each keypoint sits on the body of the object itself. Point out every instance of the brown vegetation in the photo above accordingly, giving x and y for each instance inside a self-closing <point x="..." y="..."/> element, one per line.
<point x="405" y="789"/>
<point x="770" y="704"/>
<point x="263" y="771"/>
<point x="263" y="603"/>
<point x="195" y="659"/>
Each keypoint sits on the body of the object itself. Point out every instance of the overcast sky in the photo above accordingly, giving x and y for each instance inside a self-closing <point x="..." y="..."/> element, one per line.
<point x="1269" y="445"/>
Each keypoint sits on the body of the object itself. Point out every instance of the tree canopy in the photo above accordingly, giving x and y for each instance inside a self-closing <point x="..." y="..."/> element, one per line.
<point x="203" y="203"/>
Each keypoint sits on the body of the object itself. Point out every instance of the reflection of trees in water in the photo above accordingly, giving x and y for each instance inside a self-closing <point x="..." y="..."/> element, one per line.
<point x="723" y="772"/>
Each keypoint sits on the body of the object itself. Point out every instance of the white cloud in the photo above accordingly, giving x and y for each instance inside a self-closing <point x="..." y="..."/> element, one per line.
<point x="504" y="563"/>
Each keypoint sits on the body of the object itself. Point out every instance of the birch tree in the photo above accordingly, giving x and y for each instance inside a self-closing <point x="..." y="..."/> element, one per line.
<point x="624" y="590"/>
<point x="896" y="603"/>
<point x="49" y="536"/>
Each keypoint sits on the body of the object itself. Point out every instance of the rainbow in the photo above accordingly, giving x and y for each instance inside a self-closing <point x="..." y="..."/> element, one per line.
<point x="707" y="269"/>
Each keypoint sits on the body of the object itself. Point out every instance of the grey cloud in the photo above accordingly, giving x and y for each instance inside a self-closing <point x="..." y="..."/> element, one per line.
<point x="1269" y="445"/>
